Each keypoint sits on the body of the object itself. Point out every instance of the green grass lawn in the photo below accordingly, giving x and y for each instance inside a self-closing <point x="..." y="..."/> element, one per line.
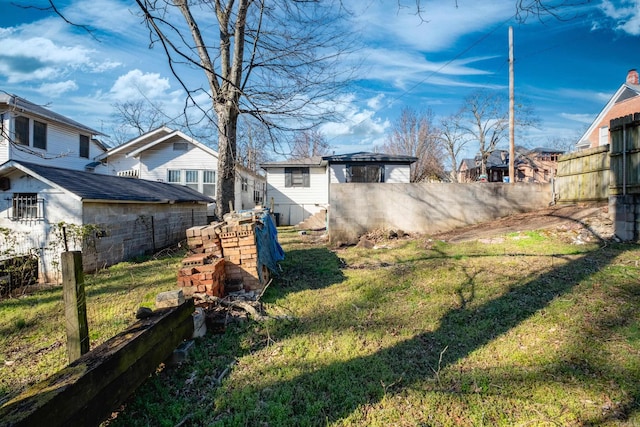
<point x="528" y="332"/>
<point x="32" y="328"/>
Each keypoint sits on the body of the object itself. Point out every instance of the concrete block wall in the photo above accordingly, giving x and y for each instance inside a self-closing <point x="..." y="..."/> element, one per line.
<point x="134" y="229"/>
<point x="428" y="208"/>
<point x="625" y="212"/>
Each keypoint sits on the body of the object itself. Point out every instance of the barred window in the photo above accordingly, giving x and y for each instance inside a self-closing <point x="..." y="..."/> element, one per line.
<point x="25" y="206"/>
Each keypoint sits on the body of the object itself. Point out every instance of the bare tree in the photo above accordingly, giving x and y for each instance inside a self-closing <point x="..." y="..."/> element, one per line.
<point x="486" y="120"/>
<point x="309" y="143"/>
<point x="272" y="60"/>
<point x="134" y="118"/>
<point x="414" y="134"/>
<point x="453" y="140"/>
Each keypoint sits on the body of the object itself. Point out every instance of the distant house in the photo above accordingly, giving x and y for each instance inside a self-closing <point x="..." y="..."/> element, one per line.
<point x="168" y="155"/>
<point x="536" y="165"/>
<point x="625" y="101"/>
<point x="125" y="217"/>
<point x="298" y="189"/>
<point x="32" y="133"/>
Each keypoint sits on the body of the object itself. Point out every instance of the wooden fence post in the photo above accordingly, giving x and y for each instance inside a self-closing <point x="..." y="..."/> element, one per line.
<point x="75" y="305"/>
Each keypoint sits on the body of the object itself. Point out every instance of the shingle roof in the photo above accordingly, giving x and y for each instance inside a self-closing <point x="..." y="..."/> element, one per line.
<point x="364" y="156"/>
<point x="21" y="104"/>
<point x="90" y="186"/>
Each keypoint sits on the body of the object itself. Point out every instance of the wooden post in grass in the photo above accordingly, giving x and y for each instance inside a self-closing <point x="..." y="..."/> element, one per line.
<point x="75" y="305"/>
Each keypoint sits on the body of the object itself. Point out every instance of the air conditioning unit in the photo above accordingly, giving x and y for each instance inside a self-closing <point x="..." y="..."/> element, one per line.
<point x="5" y="183"/>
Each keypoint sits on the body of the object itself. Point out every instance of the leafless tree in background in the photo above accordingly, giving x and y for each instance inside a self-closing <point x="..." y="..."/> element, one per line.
<point x="309" y="143"/>
<point x="414" y="134"/>
<point x="454" y="141"/>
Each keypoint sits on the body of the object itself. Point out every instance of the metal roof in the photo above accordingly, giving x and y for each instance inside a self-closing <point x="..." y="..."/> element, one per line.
<point x="364" y="156"/>
<point x="96" y="187"/>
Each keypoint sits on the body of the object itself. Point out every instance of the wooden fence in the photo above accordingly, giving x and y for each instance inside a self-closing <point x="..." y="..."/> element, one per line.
<point x="583" y="176"/>
<point x="625" y="155"/>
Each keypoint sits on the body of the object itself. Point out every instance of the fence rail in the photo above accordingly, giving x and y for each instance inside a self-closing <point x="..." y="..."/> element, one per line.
<point x="583" y="176"/>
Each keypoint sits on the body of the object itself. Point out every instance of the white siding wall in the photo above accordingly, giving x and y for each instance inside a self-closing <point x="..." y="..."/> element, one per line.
<point x="63" y="148"/>
<point x="36" y="234"/>
<point x="295" y="204"/>
<point x="159" y="159"/>
<point x="338" y="173"/>
<point x="397" y="174"/>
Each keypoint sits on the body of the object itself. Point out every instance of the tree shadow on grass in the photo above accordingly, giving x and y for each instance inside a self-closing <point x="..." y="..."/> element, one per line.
<point x="336" y="391"/>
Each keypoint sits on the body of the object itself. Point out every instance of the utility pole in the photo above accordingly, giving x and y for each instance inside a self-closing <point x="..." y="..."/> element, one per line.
<point x="512" y="149"/>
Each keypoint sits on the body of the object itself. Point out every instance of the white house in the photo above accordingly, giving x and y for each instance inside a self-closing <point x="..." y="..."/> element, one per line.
<point x="169" y="155"/>
<point x="298" y="189"/>
<point x="119" y="217"/>
<point x="32" y="133"/>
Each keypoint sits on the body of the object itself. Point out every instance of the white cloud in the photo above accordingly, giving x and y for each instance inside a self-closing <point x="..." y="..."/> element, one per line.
<point x="136" y="85"/>
<point x="54" y="90"/>
<point x="580" y="118"/>
<point x="626" y="15"/>
<point x="38" y="58"/>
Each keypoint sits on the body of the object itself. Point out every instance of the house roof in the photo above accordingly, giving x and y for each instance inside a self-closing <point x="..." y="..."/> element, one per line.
<point x="364" y="156"/>
<point x="625" y="91"/>
<point x="152" y="138"/>
<point x="88" y="186"/>
<point x="307" y="161"/>
<point x="17" y="104"/>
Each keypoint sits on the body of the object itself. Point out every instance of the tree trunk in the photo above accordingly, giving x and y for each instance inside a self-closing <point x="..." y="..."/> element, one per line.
<point x="225" y="188"/>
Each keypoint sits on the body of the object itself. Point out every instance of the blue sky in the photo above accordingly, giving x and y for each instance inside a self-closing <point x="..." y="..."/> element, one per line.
<point x="566" y="69"/>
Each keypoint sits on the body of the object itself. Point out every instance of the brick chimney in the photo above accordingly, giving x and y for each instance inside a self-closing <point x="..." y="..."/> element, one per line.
<point x="632" y="77"/>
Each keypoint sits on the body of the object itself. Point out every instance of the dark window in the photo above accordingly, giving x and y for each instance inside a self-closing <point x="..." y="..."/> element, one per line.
<point x="39" y="135"/>
<point x="25" y="206"/>
<point x="365" y="173"/>
<point x="180" y="146"/>
<point x="296" y="177"/>
<point x="22" y="130"/>
<point x="84" y="146"/>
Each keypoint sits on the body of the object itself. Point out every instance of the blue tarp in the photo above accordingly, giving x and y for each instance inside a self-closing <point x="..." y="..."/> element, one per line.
<point x="269" y="250"/>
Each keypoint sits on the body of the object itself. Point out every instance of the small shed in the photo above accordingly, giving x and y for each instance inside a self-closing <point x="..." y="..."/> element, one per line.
<point x="45" y="210"/>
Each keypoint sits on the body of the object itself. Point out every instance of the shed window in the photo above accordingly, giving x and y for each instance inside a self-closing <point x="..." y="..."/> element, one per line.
<point x="25" y="206"/>
<point x="21" y="130"/>
<point x="84" y="146"/>
<point x="39" y="135"/>
<point x="296" y="177"/>
<point x="365" y="173"/>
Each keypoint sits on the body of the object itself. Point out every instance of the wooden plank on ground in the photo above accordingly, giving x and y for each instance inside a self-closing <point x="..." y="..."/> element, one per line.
<point x="89" y="389"/>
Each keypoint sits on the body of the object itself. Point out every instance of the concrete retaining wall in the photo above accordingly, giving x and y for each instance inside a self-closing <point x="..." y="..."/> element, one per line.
<point x="426" y="207"/>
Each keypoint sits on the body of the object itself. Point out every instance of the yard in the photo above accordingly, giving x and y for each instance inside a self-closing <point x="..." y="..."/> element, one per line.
<point x="525" y="328"/>
<point x="531" y="328"/>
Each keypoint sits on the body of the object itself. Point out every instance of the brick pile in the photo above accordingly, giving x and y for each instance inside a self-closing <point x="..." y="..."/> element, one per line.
<point x="222" y="258"/>
<point x="203" y="269"/>
<point x="238" y="242"/>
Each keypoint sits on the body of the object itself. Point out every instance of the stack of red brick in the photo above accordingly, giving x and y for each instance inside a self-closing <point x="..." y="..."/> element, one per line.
<point x="238" y="242"/>
<point x="203" y="269"/>
<point x="223" y="257"/>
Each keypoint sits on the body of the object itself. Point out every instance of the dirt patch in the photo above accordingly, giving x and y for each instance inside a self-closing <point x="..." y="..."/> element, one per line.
<point x="580" y="222"/>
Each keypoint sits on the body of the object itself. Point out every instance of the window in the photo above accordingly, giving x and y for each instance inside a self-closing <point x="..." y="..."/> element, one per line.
<point x="244" y="183"/>
<point x="173" y="176"/>
<point x="296" y="177"/>
<point x="21" y="130"/>
<point x="84" y="146"/>
<point x="25" y="206"/>
<point x="39" y="135"/>
<point x="257" y="197"/>
<point x="191" y="179"/>
<point x="603" y="137"/>
<point x="209" y="183"/>
<point x="365" y="173"/>
<point x="180" y="146"/>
